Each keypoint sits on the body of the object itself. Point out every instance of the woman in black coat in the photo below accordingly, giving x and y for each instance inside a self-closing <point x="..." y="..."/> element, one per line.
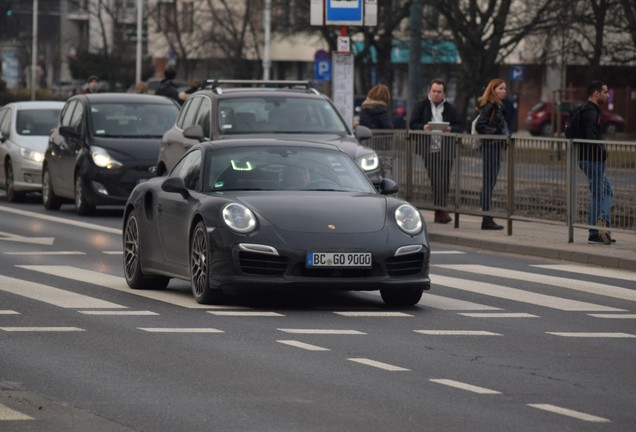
<point x="492" y="121"/>
<point x="375" y="110"/>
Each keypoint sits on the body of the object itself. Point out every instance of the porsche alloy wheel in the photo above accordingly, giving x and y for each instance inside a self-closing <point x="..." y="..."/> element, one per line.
<point x="396" y="297"/>
<point x="49" y="199"/>
<point x="81" y="206"/>
<point x="200" y="268"/>
<point x="135" y="277"/>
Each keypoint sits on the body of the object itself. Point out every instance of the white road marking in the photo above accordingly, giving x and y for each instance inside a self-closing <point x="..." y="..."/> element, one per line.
<point x="118" y="283"/>
<point x="614" y="316"/>
<point x="561" y="282"/>
<point x="499" y="315"/>
<point x="464" y="386"/>
<point x="378" y="364"/>
<point x="457" y="333"/>
<point x="5" y="236"/>
<point x="61" y="220"/>
<point x="122" y="313"/>
<point x="302" y="345"/>
<point x="590" y="270"/>
<point x="9" y="312"/>
<point x="446" y="303"/>
<point x="55" y="253"/>
<point x="570" y="413"/>
<point x="321" y="331"/>
<point x="246" y="313"/>
<point x="8" y="414"/>
<point x="54" y="296"/>
<point x="113" y="252"/>
<point x="180" y="330"/>
<point x="592" y="334"/>
<point x="42" y="329"/>
<point x="504" y="292"/>
<point x="450" y="252"/>
<point x="374" y="314"/>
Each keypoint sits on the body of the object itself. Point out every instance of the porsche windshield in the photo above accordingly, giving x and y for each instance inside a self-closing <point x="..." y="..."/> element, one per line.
<point x="279" y="114"/>
<point x="284" y="168"/>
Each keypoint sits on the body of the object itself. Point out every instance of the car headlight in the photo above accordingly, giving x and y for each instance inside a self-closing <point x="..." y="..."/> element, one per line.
<point x="239" y="218"/>
<point x="31" y="154"/>
<point x="408" y="218"/>
<point x="102" y="159"/>
<point x="368" y="162"/>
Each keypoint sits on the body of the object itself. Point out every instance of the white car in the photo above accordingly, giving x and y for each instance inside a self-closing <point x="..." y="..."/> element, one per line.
<point x="24" y="135"/>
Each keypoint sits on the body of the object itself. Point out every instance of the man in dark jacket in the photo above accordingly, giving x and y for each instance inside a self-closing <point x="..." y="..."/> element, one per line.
<point x="167" y="87"/>
<point x="437" y="151"/>
<point x="592" y="157"/>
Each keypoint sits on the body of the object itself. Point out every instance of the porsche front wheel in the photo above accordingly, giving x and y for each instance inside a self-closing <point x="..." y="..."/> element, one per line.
<point x="401" y="296"/>
<point x="200" y="268"/>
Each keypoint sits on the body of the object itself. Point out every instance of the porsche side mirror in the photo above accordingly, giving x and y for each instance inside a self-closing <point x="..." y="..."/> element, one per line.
<point x="363" y="132"/>
<point x="175" y="185"/>
<point x="388" y="187"/>
<point x="194" y="132"/>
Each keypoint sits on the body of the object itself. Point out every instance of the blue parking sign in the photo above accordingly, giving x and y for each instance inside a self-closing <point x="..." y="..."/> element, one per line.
<point x="517" y="73"/>
<point x="322" y="70"/>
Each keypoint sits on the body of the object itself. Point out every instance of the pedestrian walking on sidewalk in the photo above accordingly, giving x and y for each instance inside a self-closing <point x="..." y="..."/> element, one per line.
<point x="592" y="157"/>
<point x="438" y="152"/>
<point x="492" y="121"/>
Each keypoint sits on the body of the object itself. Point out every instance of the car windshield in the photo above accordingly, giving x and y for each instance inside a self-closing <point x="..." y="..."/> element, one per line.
<point x="284" y="168"/>
<point x="132" y="120"/>
<point x="37" y="122"/>
<point x="278" y="114"/>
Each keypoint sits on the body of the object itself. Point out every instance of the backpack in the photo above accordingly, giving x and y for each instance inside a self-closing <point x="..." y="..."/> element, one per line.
<point x="475" y="142"/>
<point x="573" y="123"/>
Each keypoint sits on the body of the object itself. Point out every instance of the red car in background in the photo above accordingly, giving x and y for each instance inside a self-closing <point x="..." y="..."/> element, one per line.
<point x="539" y="120"/>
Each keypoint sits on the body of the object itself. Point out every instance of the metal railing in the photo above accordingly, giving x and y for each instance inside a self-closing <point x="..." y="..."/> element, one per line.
<point x="539" y="179"/>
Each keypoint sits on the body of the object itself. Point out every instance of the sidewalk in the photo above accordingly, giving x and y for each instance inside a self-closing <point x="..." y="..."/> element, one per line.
<point x="536" y="239"/>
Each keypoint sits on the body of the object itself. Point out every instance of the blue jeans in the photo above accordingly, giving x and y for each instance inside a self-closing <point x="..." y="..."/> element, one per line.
<point x="491" y="162"/>
<point x="601" y="193"/>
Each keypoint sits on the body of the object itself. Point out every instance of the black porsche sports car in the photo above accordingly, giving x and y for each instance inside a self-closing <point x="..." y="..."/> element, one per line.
<point x="277" y="213"/>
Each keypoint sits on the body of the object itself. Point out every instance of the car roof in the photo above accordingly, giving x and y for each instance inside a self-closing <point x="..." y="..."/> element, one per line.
<point x="259" y="87"/>
<point x="124" y="97"/>
<point x="29" y="105"/>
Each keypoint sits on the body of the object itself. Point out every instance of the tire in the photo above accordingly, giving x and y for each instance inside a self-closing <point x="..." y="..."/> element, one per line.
<point x="12" y="195"/>
<point x="49" y="199"/>
<point x="401" y="296"/>
<point x="135" y="277"/>
<point x="200" y="268"/>
<point x="81" y="206"/>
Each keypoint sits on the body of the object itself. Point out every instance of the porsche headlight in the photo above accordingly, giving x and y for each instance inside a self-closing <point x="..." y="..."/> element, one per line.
<point x="31" y="154"/>
<point x="102" y="159"/>
<point x="239" y="218"/>
<point x="368" y="162"/>
<point x="408" y="218"/>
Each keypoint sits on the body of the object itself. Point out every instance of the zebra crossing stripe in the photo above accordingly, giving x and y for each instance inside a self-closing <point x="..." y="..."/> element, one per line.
<point x="379" y="365"/>
<point x="561" y="282"/>
<point x="321" y="331"/>
<point x="180" y="330"/>
<point x="593" y="334"/>
<point x="118" y="313"/>
<point x="457" y="333"/>
<point x="500" y="315"/>
<point x="464" y="386"/>
<point x="42" y="329"/>
<point x="446" y="303"/>
<point x="8" y="414"/>
<point x="614" y="316"/>
<point x="9" y="312"/>
<point x="518" y="295"/>
<point x="374" y="314"/>
<point x="54" y="296"/>
<point x="302" y="345"/>
<point x="591" y="271"/>
<point x="246" y="313"/>
<point x="570" y="413"/>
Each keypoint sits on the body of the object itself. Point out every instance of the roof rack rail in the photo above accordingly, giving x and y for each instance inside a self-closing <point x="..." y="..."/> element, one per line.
<point x="216" y="83"/>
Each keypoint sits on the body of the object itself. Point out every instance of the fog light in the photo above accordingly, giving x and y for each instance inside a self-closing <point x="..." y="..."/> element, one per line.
<point x="99" y="188"/>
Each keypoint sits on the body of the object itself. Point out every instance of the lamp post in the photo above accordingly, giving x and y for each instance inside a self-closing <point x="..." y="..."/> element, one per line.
<point x="139" y="36"/>
<point x="34" y="50"/>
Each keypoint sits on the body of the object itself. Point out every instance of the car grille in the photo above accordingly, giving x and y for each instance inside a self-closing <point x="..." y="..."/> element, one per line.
<point x="405" y="265"/>
<point x="262" y="264"/>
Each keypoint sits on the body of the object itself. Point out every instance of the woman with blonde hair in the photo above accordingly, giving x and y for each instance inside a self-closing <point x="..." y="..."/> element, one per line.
<point x="492" y="121"/>
<point x="141" y="87"/>
<point x="374" y="112"/>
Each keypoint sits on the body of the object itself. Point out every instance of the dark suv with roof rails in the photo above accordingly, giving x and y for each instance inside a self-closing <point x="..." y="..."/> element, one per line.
<point x="223" y="109"/>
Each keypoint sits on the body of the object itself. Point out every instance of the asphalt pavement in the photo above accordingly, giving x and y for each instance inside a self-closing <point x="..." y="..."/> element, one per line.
<point x="536" y="239"/>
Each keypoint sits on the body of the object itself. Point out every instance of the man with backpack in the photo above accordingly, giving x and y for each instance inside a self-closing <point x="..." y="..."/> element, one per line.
<point x="584" y="123"/>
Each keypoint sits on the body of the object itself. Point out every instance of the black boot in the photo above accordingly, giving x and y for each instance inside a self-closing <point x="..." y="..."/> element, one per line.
<point x="487" y="223"/>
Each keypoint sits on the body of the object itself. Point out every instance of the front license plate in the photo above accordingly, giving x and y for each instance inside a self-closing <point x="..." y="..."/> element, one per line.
<point x="338" y="259"/>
